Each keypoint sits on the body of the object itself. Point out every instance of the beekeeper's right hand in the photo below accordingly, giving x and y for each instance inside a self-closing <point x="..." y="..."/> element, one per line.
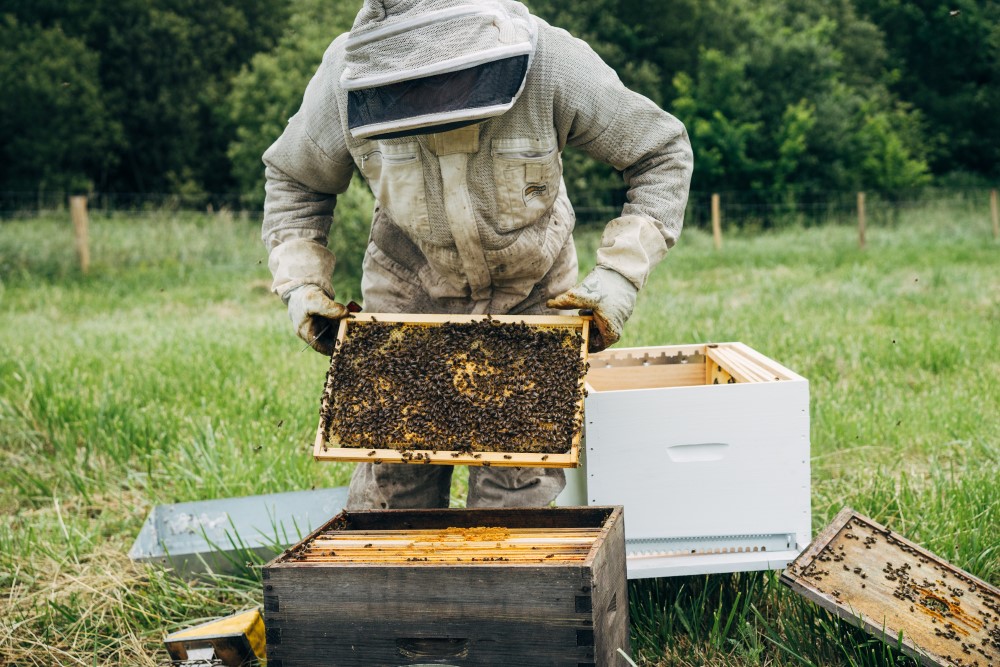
<point x="315" y="317"/>
<point x="302" y="269"/>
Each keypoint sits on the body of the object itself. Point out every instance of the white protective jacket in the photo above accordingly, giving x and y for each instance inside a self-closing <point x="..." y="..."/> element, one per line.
<point x="477" y="219"/>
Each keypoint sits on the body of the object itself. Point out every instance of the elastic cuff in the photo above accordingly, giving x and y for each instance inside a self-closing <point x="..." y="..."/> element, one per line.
<point x="631" y="246"/>
<point x="301" y="262"/>
<point x="611" y="275"/>
<point x="287" y="294"/>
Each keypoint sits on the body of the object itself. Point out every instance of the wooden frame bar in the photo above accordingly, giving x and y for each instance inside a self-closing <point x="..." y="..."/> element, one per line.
<point x="571" y="321"/>
<point x="325" y="450"/>
<point x="682" y="366"/>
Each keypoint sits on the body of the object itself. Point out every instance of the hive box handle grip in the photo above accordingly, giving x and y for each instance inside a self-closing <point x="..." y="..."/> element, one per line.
<point x="432" y="648"/>
<point x="698" y="452"/>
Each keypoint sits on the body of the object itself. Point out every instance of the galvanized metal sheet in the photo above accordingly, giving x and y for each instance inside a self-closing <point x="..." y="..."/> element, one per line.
<point x="218" y="535"/>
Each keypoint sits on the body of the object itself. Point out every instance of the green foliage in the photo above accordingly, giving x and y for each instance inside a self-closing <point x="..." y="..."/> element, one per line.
<point x="889" y="163"/>
<point x="55" y="132"/>
<point x="780" y="99"/>
<point x="720" y="111"/>
<point x="164" y="68"/>
<point x="946" y="62"/>
<point x="792" y="141"/>
<point x="793" y="107"/>
<point x="268" y="90"/>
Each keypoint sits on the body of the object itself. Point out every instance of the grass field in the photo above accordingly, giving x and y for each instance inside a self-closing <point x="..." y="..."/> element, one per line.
<point x="169" y="374"/>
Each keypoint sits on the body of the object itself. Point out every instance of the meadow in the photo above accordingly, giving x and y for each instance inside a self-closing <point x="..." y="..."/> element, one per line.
<point x="169" y="373"/>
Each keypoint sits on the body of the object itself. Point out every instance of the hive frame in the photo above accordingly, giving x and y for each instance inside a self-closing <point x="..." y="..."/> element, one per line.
<point x="324" y="450"/>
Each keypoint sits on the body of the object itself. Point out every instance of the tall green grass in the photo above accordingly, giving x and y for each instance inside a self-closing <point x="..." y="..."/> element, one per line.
<point x="170" y="373"/>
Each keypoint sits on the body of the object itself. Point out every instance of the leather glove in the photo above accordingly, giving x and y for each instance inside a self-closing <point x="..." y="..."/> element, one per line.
<point x="301" y="268"/>
<point x="609" y="296"/>
<point x="315" y="316"/>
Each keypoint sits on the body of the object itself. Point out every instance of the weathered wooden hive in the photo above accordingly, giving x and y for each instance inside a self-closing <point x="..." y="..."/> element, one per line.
<point x="457" y="587"/>
<point x="455" y="390"/>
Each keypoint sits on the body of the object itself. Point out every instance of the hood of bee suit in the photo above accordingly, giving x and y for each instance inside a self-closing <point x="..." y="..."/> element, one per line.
<point x="418" y="66"/>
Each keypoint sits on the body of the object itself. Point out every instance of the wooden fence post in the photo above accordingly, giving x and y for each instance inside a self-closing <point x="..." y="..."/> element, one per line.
<point x="995" y="213"/>
<point x="861" y="220"/>
<point x="78" y="213"/>
<point x="716" y="222"/>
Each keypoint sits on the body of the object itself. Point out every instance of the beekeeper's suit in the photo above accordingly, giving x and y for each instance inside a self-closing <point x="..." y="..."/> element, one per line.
<point x="456" y="112"/>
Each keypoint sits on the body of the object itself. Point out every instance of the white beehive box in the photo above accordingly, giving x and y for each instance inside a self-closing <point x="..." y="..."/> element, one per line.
<point x="707" y="447"/>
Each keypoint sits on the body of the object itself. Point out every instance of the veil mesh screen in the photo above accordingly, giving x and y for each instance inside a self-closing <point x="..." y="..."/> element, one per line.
<point x="485" y="85"/>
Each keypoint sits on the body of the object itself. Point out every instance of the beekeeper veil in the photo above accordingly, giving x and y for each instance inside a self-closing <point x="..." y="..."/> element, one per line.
<point x="419" y="66"/>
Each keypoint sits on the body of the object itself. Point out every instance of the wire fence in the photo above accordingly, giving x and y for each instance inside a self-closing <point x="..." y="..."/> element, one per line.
<point x="33" y="204"/>
<point x="749" y="210"/>
<point x="755" y="211"/>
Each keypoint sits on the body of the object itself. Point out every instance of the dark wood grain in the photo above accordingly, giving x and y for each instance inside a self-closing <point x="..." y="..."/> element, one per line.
<point x="564" y="614"/>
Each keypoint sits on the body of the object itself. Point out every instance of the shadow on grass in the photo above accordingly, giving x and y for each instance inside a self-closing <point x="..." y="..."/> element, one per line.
<point x="744" y="619"/>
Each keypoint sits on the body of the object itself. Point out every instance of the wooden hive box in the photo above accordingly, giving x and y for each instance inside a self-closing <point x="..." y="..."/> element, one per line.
<point x="707" y="448"/>
<point x="472" y="587"/>
<point x="455" y="390"/>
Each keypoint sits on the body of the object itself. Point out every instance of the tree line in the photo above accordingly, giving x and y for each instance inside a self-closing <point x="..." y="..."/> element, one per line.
<point x="780" y="99"/>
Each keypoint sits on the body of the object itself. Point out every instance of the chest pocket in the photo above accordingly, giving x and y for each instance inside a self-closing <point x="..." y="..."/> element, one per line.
<point x="396" y="176"/>
<point x="527" y="173"/>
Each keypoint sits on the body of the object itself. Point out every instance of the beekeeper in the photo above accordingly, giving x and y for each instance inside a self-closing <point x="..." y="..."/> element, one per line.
<point x="456" y="112"/>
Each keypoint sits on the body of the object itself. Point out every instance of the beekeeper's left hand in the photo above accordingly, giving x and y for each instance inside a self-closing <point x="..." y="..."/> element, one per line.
<point x="609" y="296"/>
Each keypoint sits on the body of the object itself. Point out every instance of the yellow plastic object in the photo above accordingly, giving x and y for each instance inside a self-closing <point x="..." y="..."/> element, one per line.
<point x="237" y="640"/>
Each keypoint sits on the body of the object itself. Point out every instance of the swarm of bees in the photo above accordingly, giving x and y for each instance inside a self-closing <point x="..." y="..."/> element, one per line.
<point x="466" y="387"/>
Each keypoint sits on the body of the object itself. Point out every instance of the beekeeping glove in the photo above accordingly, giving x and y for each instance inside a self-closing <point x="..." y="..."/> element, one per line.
<point x="301" y="270"/>
<point x="609" y="296"/>
<point x="315" y="317"/>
